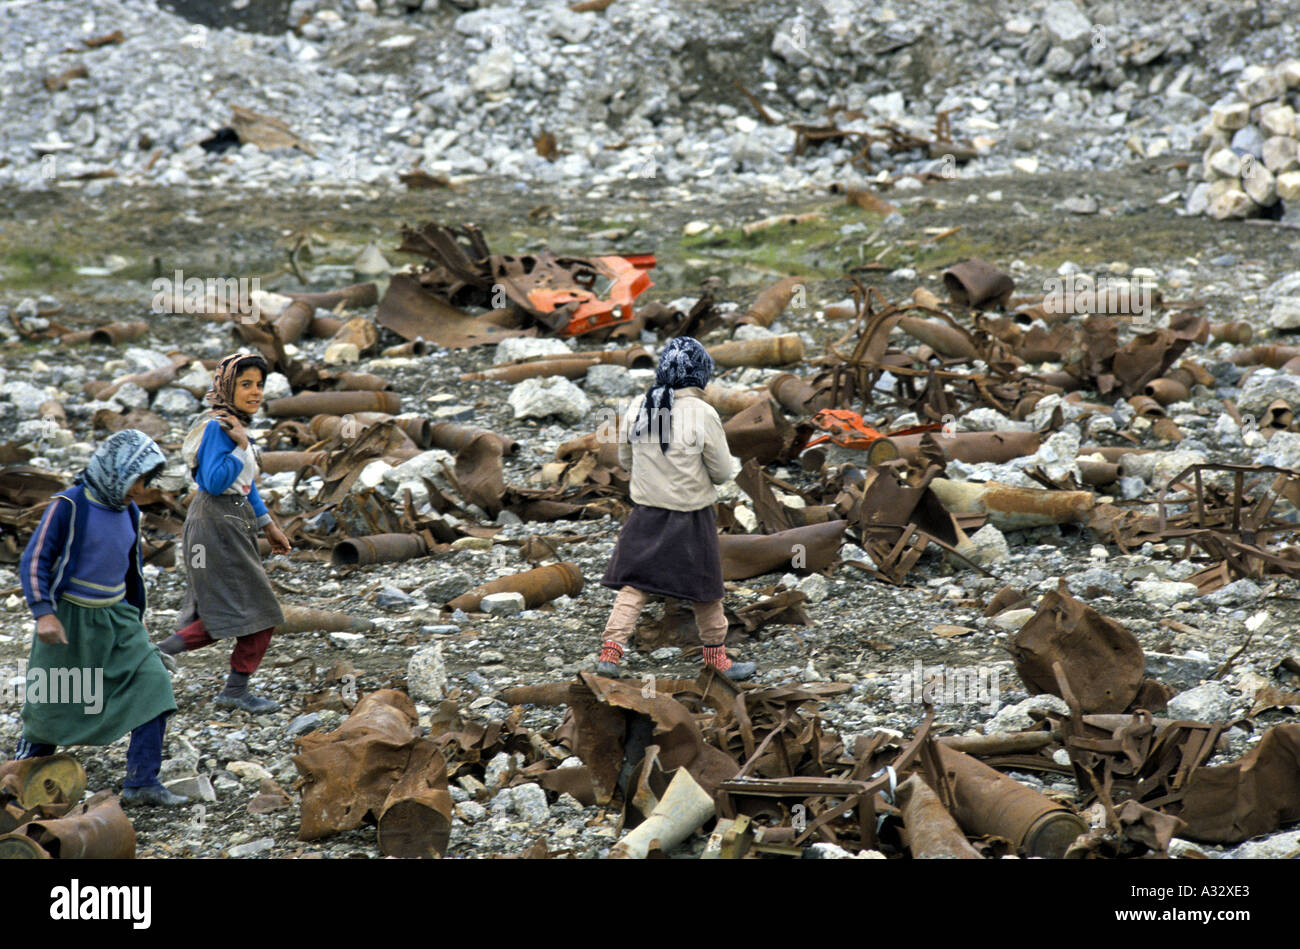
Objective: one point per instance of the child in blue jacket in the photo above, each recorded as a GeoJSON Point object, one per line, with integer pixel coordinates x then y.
{"type": "Point", "coordinates": [93, 675]}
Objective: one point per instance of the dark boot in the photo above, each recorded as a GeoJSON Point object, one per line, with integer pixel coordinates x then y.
{"type": "Point", "coordinates": [236, 695]}
{"type": "Point", "coordinates": [154, 794]}
{"type": "Point", "coordinates": [716, 657]}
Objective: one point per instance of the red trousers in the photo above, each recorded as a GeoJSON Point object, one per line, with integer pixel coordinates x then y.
{"type": "Point", "coordinates": [248, 651]}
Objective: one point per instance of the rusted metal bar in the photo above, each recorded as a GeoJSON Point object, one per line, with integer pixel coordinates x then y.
{"type": "Point", "coordinates": [1009, 743]}
{"type": "Point", "coordinates": [301, 619]}
{"type": "Point", "coordinates": [1013, 508]}
{"type": "Point", "coordinates": [931, 831]}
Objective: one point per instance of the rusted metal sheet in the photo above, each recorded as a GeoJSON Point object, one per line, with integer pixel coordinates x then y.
{"type": "Point", "coordinates": [976, 282]}
{"type": "Point", "coordinates": [416, 817]}
{"type": "Point", "coordinates": [1252, 796]}
{"type": "Point", "coordinates": [95, 830]}
{"type": "Point", "coordinates": [759, 432]}
{"type": "Point", "coordinates": [1103, 661]}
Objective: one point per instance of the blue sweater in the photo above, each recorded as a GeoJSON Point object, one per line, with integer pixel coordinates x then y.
{"type": "Point", "coordinates": [62, 558]}
{"type": "Point", "coordinates": [220, 464]}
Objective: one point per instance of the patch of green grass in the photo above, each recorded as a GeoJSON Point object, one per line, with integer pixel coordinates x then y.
{"type": "Point", "coordinates": [810, 247]}
{"type": "Point", "coordinates": [23, 267]}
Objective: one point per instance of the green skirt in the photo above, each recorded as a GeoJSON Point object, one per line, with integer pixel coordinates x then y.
{"type": "Point", "coordinates": [106, 681]}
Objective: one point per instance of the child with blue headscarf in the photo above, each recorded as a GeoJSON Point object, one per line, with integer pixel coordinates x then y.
{"type": "Point", "coordinates": [676, 453]}
{"type": "Point", "coordinates": [93, 675]}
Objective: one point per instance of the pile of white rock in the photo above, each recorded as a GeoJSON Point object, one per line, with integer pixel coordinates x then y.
{"type": "Point", "coordinates": [1252, 147]}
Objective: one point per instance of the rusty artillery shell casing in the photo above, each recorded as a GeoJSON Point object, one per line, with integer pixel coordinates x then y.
{"type": "Point", "coordinates": [539, 585]}
{"type": "Point", "coordinates": [334, 403]}
{"type": "Point", "coordinates": [844, 310]}
{"type": "Point", "coordinates": [931, 830]}
{"type": "Point", "coordinates": [416, 816]}
{"type": "Point", "coordinates": [1238, 332]}
{"type": "Point", "coordinates": [1167, 391]}
{"type": "Point", "coordinates": [970, 447]}
{"type": "Point", "coordinates": [797, 396]}
{"type": "Point", "coordinates": [1272, 355]}
{"type": "Point", "coordinates": [768, 351]}
{"type": "Point", "coordinates": [987, 802]}
{"type": "Point", "coordinates": [416, 347]}
{"type": "Point", "coordinates": [275, 462]}
{"type": "Point", "coordinates": [772, 302]}
{"type": "Point", "coordinates": [728, 401]}
{"type": "Point", "coordinates": [1292, 366]}
{"type": "Point", "coordinates": [1013, 508]}
{"type": "Point", "coordinates": [53, 779]}
{"type": "Point", "coordinates": [571, 367]}
{"type": "Point", "coordinates": [450, 436]}
{"type": "Point", "coordinates": [1147, 407]}
{"type": "Point", "coordinates": [605, 448]}
{"type": "Point", "coordinates": [294, 321]}
{"type": "Point", "coordinates": [353, 296]}
{"type": "Point", "coordinates": [940, 337]}
{"type": "Point", "coordinates": [379, 548]}
{"type": "Point", "coordinates": [1099, 473]}
{"type": "Point", "coordinates": [114, 333]}
{"type": "Point", "coordinates": [301, 619]}
{"type": "Point", "coordinates": [751, 555]}
{"type": "Point", "coordinates": [324, 327]}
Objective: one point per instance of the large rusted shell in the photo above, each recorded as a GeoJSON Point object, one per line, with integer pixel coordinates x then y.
{"type": "Point", "coordinates": [334, 403]}
{"type": "Point", "coordinates": [539, 585]}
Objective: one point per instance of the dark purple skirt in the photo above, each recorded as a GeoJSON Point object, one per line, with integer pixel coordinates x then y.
{"type": "Point", "coordinates": [669, 553]}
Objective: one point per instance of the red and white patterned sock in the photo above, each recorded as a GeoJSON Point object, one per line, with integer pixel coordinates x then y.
{"type": "Point", "coordinates": [716, 656]}
{"type": "Point", "coordinates": [611, 652]}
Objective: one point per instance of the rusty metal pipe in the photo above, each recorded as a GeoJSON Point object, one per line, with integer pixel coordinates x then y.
{"type": "Point", "coordinates": [1272, 355]}
{"type": "Point", "coordinates": [114, 333]}
{"type": "Point", "coordinates": [324, 327]}
{"type": "Point", "coordinates": [988, 803]}
{"type": "Point", "coordinates": [1002, 743]}
{"type": "Point", "coordinates": [334, 403]}
{"type": "Point", "coordinates": [1013, 508]}
{"type": "Point", "coordinates": [931, 831]}
{"type": "Point", "coordinates": [150, 381]}
{"type": "Point", "coordinates": [379, 548]}
{"type": "Point", "coordinates": [1147, 407]}
{"type": "Point", "coordinates": [797, 396]}
{"type": "Point", "coordinates": [539, 585]}
{"type": "Point", "coordinates": [768, 351]}
{"type": "Point", "coordinates": [606, 450]}
{"type": "Point", "coordinates": [571, 367]}
{"type": "Point", "coordinates": [360, 382]}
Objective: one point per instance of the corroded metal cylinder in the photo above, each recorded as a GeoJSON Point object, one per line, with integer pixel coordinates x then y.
{"type": "Point", "coordinates": [805, 549]}
{"type": "Point", "coordinates": [797, 396]}
{"type": "Point", "coordinates": [114, 333]}
{"type": "Point", "coordinates": [416, 347]}
{"type": "Point", "coordinates": [294, 321]}
{"type": "Point", "coordinates": [940, 337]}
{"type": "Point", "coordinates": [969, 447]}
{"type": "Point", "coordinates": [931, 831]}
{"type": "Point", "coordinates": [728, 401]}
{"type": "Point", "coordinates": [986, 802]}
{"type": "Point", "coordinates": [96, 830]}
{"type": "Point", "coordinates": [53, 779]}
{"type": "Point", "coordinates": [334, 403]}
{"type": "Point", "coordinates": [301, 619]}
{"type": "Point", "coordinates": [772, 302]}
{"type": "Point", "coordinates": [275, 462]}
{"type": "Point", "coordinates": [1013, 508]}
{"type": "Point", "coordinates": [452, 437]}
{"type": "Point", "coordinates": [768, 351]}
{"type": "Point", "coordinates": [379, 548]}
{"type": "Point", "coordinates": [539, 585]}
{"type": "Point", "coordinates": [1237, 331]}
{"type": "Point", "coordinates": [975, 282]}
{"type": "Point", "coordinates": [353, 296]}
{"type": "Point", "coordinates": [1167, 391]}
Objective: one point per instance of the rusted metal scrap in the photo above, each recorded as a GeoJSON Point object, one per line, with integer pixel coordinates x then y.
{"type": "Point", "coordinates": [1103, 660]}
{"type": "Point", "coordinates": [95, 830]}
{"type": "Point", "coordinates": [568, 296]}
{"type": "Point", "coordinates": [376, 765]}
{"type": "Point", "coordinates": [538, 586]}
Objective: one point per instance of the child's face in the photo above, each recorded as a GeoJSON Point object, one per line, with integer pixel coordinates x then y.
{"type": "Point", "coordinates": [138, 492]}
{"type": "Point", "coordinates": [248, 390]}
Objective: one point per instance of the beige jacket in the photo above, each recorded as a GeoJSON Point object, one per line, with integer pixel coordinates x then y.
{"type": "Point", "coordinates": [683, 478]}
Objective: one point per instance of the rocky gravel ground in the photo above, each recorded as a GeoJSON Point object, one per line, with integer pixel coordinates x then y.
{"type": "Point", "coordinates": [373, 88]}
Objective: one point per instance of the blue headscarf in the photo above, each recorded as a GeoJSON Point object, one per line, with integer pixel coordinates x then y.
{"type": "Point", "coordinates": [683, 362]}
{"type": "Point", "coordinates": [116, 465]}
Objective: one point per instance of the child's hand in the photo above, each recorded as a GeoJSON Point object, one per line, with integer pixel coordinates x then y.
{"type": "Point", "coordinates": [50, 630]}
{"type": "Point", "coordinates": [279, 543]}
{"type": "Point", "coordinates": [239, 435]}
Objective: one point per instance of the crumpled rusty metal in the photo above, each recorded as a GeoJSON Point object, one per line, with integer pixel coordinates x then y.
{"type": "Point", "coordinates": [416, 817]}
{"type": "Point", "coordinates": [976, 282]}
{"type": "Point", "coordinates": [413, 312]}
{"type": "Point", "coordinates": [1102, 660]}
{"type": "Point", "coordinates": [1251, 796]}
{"type": "Point", "coordinates": [760, 433]}
{"type": "Point", "coordinates": [347, 774]}
{"type": "Point", "coordinates": [95, 830]}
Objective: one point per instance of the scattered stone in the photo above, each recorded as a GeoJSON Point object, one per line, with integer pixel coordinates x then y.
{"type": "Point", "coordinates": [1164, 592]}
{"type": "Point", "coordinates": [196, 787]}
{"type": "Point", "coordinates": [303, 724]}
{"type": "Point", "coordinates": [1209, 702]}
{"type": "Point", "coordinates": [252, 848]}
{"type": "Point", "coordinates": [989, 546]}
{"type": "Point", "coordinates": [552, 395]}
{"type": "Point", "coordinates": [391, 598]}
{"type": "Point", "coordinates": [1015, 718]}
{"type": "Point", "coordinates": [448, 586]}
{"type": "Point", "coordinates": [529, 802]}
{"type": "Point", "coordinates": [814, 586]}
{"type": "Point", "coordinates": [525, 347]}
{"type": "Point", "coordinates": [609, 380]}
{"type": "Point", "coordinates": [426, 674]}
{"type": "Point", "coordinates": [250, 772]}
{"type": "Point", "coordinates": [503, 604]}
